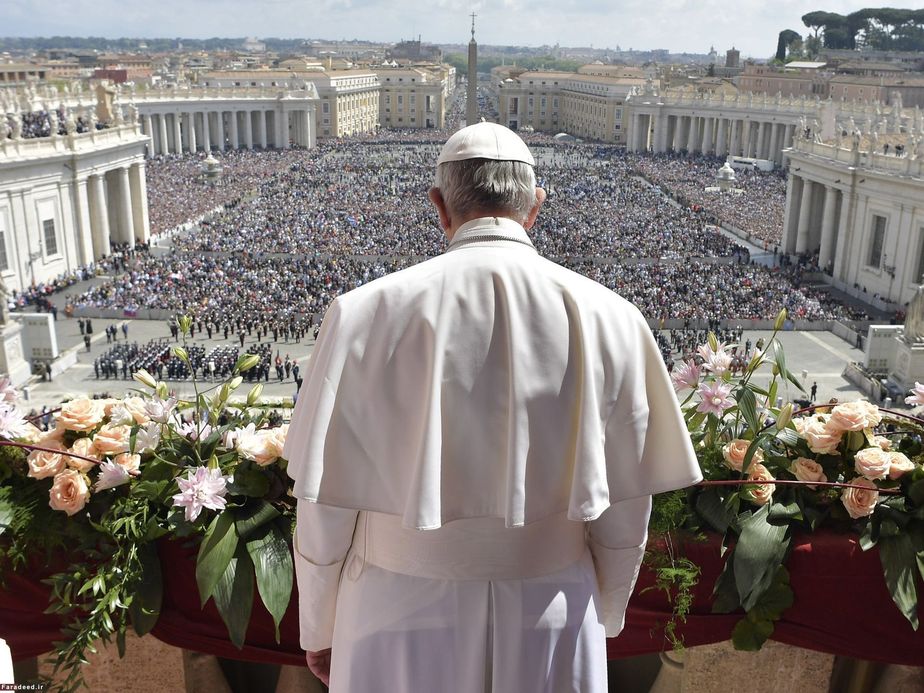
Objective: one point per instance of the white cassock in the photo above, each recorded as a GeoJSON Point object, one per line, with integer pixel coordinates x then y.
{"type": "Point", "coordinates": [519, 412]}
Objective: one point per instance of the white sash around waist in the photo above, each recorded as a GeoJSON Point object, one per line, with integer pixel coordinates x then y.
{"type": "Point", "coordinates": [471, 549]}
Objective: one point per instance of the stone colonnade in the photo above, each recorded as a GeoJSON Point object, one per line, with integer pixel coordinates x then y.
{"type": "Point", "coordinates": [176, 128]}
{"type": "Point", "coordinates": [816, 213]}
{"type": "Point", "coordinates": [721, 135]}
{"type": "Point", "coordinates": [112, 207]}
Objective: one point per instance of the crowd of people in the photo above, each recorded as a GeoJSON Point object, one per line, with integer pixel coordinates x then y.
{"type": "Point", "coordinates": [297, 228]}
{"type": "Point", "coordinates": [756, 210]}
{"type": "Point", "coordinates": [42, 123]}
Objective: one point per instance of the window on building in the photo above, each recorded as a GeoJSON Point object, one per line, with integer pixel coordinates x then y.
{"type": "Point", "coordinates": [400, 99]}
{"type": "Point", "coordinates": [325, 107]}
{"type": "Point", "coordinates": [915, 279]}
{"type": "Point", "coordinates": [4, 258]}
{"type": "Point", "coordinates": [877, 239]}
{"type": "Point", "coordinates": [51, 240]}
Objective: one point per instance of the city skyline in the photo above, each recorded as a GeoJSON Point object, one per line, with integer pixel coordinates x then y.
{"type": "Point", "coordinates": [677, 25]}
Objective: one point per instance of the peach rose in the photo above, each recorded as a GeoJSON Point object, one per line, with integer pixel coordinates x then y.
{"type": "Point", "coordinates": [52, 435]}
{"type": "Point", "coordinates": [805, 469]}
{"type": "Point", "coordinates": [108, 403]}
{"type": "Point", "coordinates": [129, 462]}
{"type": "Point", "coordinates": [69, 492]}
{"type": "Point", "coordinates": [44, 464]}
{"type": "Point", "coordinates": [82, 414]}
{"type": "Point", "coordinates": [882, 442]}
{"type": "Point", "coordinates": [854, 416]}
{"type": "Point", "coordinates": [82, 446]}
{"type": "Point", "coordinates": [257, 447]}
{"type": "Point", "coordinates": [821, 439]}
{"type": "Point", "coordinates": [900, 465]}
{"type": "Point", "coordinates": [860, 502]}
{"type": "Point", "coordinates": [32, 433]}
{"type": "Point", "coordinates": [759, 494]}
{"type": "Point", "coordinates": [735, 451]}
{"type": "Point", "coordinates": [277, 439]}
{"type": "Point", "coordinates": [873, 463]}
{"type": "Point", "coordinates": [112, 440]}
{"type": "Point", "coordinates": [136, 405]}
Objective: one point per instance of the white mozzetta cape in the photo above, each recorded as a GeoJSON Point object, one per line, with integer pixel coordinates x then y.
{"type": "Point", "coordinates": [487, 382]}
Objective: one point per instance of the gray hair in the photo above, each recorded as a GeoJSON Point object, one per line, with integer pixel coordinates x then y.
{"type": "Point", "coordinates": [485, 184]}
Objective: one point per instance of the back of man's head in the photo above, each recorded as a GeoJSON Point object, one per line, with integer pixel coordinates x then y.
{"type": "Point", "coordinates": [486, 168]}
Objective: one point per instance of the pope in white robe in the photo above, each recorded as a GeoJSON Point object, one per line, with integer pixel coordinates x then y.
{"type": "Point", "coordinates": [474, 450]}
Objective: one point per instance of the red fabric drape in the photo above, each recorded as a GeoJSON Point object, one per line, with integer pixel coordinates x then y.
{"type": "Point", "coordinates": [842, 606]}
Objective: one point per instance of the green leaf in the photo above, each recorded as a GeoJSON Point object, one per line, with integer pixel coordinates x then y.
{"type": "Point", "coordinates": [778, 597]}
{"type": "Point", "coordinates": [6, 514]}
{"type": "Point", "coordinates": [750, 635]}
{"type": "Point", "coordinates": [696, 421]}
{"type": "Point", "coordinates": [788, 437]}
{"type": "Point", "coordinates": [759, 553]}
{"type": "Point", "coordinates": [253, 516]}
{"type": "Point", "coordinates": [710, 506]}
{"type": "Point", "coordinates": [899, 562]}
{"type": "Point", "coordinates": [215, 553]}
{"type": "Point", "coordinates": [248, 481]}
{"type": "Point", "coordinates": [272, 565]}
{"type": "Point", "coordinates": [145, 606]}
{"type": "Point", "coordinates": [867, 539]}
{"type": "Point", "coordinates": [234, 595]}
{"type": "Point", "coordinates": [747, 403]}
{"type": "Point", "coordinates": [724, 594]}
{"type": "Point", "coordinates": [915, 493]}
{"type": "Point", "coordinates": [152, 490]}
{"type": "Point", "coordinates": [771, 394]}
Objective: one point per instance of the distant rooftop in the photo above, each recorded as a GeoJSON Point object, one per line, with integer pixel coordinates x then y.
{"type": "Point", "coordinates": [805, 65]}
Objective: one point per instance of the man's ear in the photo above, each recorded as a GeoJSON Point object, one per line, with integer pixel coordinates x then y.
{"type": "Point", "coordinates": [534, 212]}
{"type": "Point", "coordinates": [436, 197]}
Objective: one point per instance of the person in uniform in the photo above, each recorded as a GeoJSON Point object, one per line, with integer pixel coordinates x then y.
{"type": "Point", "coordinates": [474, 450]}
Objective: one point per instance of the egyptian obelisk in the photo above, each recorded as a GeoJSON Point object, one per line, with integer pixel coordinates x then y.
{"type": "Point", "coordinates": [471, 102]}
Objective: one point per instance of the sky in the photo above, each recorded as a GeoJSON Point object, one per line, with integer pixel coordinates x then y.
{"type": "Point", "coordinates": [692, 26]}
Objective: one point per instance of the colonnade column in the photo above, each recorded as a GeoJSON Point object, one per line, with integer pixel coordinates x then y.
{"type": "Point", "coordinates": [733, 149]}
{"type": "Point", "coordinates": [774, 142]}
{"type": "Point", "coordinates": [220, 129]}
{"type": "Point", "coordinates": [693, 139]}
{"type": "Point", "coordinates": [826, 252]}
{"type": "Point", "coordinates": [149, 131]}
{"type": "Point", "coordinates": [99, 215]}
{"type": "Point", "coordinates": [248, 129]}
{"type": "Point", "coordinates": [164, 147]}
{"type": "Point", "coordinates": [235, 141]}
{"type": "Point", "coordinates": [191, 120]}
{"type": "Point", "coordinates": [721, 146]}
{"type": "Point", "coordinates": [282, 115]}
{"type": "Point", "coordinates": [790, 222]}
{"type": "Point", "coordinates": [761, 132]}
{"type": "Point", "coordinates": [126, 217]}
{"type": "Point", "coordinates": [206, 132]}
{"type": "Point", "coordinates": [84, 225]}
{"type": "Point", "coordinates": [787, 137]}
{"type": "Point", "coordinates": [177, 134]}
{"type": "Point", "coordinates": [308, 128]}
{"type": "Point", "coordinates": [708, 136]}
{"type": "Point", "coordinates": [805, 209]}
{"type": "Point", "coordinates": [141, 224]}
{"type": "Point", "coordinates": [263, 142]}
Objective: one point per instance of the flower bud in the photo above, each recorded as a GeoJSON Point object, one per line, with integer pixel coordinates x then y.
{"type": "Point", "coordinates": [162, 390]}
{"type": "Point", "coordinates": [713, 341]}
{"type": "Point", "coordinates": [246, 362]}
{"type": "Point", "coordinates": [785, 416]}
{"type": "Point", "coordinates": [254, 394]}
{"type": "Point", "coordinates": [235, 382]}
{"type": "Point", "coordinates": [181, 354]}
{"type": "Point", "coordinates": [780, 320]}
{"type": "Point", "coordinates": [145, 378]}
{"type": "Point", "coordinates": [185, 323]}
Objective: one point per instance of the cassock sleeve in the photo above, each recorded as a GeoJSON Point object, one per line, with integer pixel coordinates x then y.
{"type": "Point", "coordinates": [617, 542]}
{"type": "Point", "coordinates": [323, 536]}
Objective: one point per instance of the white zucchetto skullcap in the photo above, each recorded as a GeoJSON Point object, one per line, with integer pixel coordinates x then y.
{"type": "Point", "coordinates": [485, 141]}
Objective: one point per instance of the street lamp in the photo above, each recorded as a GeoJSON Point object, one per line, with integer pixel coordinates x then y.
{"type": "Point", "coordinates": [33, 256]}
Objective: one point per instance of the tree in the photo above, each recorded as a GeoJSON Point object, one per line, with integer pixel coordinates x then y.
{"type": "Point", "coordinates": [786, 39]}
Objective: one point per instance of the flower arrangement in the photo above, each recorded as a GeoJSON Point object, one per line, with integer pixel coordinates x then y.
{"type": "Point", "coordinates": [771, 470]}
{"type": "Point", "coordinates": [114, 476]}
